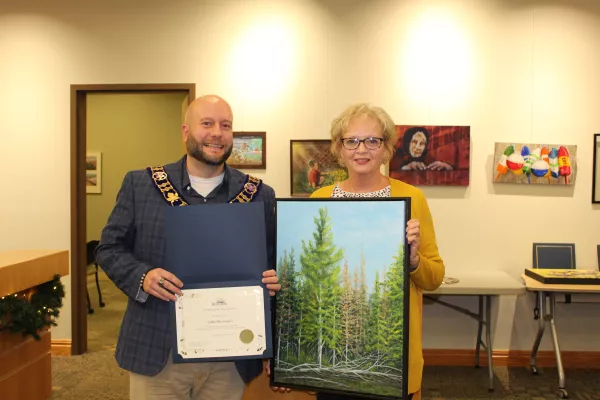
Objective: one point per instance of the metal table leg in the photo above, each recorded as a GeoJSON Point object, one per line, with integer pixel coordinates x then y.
{"type": "Point", "coordinates": [538, 338]}
{"type": "Point", "coordinates": [484, 318]}
{"type": "Point", "coordinates": [479, 331]}
{"type": "Point", "coordinates": [562, 391]}
{"type": "Point", "coordinates": [546, 316]}
{"type": "Point", "coordinates": [488, 339]}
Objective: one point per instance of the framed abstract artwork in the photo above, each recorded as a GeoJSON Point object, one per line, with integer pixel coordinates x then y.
{"type": "Point", "coordinates": [432, 155]}
{"type": "Point", "coordinates": [249, 150]}
{"type": "Point", "coordinates": [93, 172]}
{"type": "Point", "coordinates": [312, 166]}
{"type": "Point", "coordinates": [596, 171]}
{"type": "Point", "coordinates": [341, 318]}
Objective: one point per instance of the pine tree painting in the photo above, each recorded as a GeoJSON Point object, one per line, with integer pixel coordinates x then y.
{"type": "Point", "coordinates": [340, 316]}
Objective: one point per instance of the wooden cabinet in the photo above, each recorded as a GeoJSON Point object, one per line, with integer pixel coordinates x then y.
{"type": "Point", "coordinates": [25, 363]}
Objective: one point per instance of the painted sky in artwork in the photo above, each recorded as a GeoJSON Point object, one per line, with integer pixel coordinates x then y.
{"type": "Point", "coordinates": [376, 227]}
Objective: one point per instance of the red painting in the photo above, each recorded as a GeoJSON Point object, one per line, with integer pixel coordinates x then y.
{"type": "Point", "coordinates": [432, 155]}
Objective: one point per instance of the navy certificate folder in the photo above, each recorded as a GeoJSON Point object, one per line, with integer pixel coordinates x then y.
{"type": "Point", "coordinates": [215, 246]}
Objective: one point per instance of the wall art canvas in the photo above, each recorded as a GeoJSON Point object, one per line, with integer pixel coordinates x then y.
{"type": "Point", "coordinates": [249, 150]}
{"type": "Point", "coordinates": [341, 318]}
{"type": "Point", "coordinates": [312, 166]}
{"type": "Point", "coordinates": [596, 174]}
{"type": "Point", "coordinates": [432, 155]}
{"type": "Point", "coordinates": [535, 163]}
{"type": "Point", "coordinates": [93, 172]}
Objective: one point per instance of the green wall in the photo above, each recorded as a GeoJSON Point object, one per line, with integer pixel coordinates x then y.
{"type": "Point", "coordinates": [132, 131]}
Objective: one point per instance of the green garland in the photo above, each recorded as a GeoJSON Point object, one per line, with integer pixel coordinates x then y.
{"type": "Point", "coordinates": [30, 316]}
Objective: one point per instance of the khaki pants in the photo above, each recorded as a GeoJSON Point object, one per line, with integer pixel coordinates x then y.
{"type": "Point", "coordinates": [189, 381]}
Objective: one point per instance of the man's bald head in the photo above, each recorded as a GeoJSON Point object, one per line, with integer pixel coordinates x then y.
{"type": "Point", "coordinates": [195, 109]}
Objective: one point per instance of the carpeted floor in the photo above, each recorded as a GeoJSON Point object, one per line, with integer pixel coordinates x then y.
{"type": "Point", "coordinates": [95, 375]}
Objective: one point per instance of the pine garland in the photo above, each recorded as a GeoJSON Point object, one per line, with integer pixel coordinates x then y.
{"type": "Point", "coordinates": [30, 313]}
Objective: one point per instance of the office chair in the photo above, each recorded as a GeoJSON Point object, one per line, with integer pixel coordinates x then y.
{"type": "Point", "coordinates": [90, 249]}
{"type": "Point", "coordinates": [553, 256]}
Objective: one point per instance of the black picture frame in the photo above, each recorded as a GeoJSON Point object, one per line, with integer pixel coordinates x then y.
{"type": "Point", "coordinates": [333, 318]}
{"type": "Point", "coordinates": [554, 256]}
{"type": "Point", "coordinates": [595, 170]}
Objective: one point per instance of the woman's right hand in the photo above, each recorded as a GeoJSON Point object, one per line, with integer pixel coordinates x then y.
{"type": "Point", "coordinates": [274, 388]}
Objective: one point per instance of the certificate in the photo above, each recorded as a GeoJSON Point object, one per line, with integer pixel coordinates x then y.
{"type": "Point", "coordinates": [221, 322]}
{"type": "Point", "coordinates": [219, 251]}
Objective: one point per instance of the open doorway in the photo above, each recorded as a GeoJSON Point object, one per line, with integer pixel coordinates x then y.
{"type": "Point", "coordinates": [97, 141]}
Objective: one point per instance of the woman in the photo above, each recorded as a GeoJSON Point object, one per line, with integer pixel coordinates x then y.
{"type": "Point", "coordinates": [414, 152]}
{"type": "Point", "coordinates": [362, 139]}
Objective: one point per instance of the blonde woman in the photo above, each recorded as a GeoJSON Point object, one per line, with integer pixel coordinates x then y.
{"type": "Point", "coordinates": [363, 139]}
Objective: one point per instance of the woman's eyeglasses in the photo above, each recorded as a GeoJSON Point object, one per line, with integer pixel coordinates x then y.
{"type": "Point", "coordinates": [371, 143]}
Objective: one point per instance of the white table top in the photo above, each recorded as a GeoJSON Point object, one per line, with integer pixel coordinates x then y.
{"type": "Point", "coordinates": [536, 286]}
{"type": "Point", "coordinates": [481, 282]}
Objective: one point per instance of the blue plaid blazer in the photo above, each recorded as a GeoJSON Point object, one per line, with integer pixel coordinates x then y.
{"type": "Point", "coordinates": [133, 243]}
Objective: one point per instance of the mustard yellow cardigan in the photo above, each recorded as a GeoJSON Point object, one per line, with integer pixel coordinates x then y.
{"type": "Point", "coordinates": [428, 275]}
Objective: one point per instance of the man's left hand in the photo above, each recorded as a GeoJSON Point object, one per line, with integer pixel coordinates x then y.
{"type": "Point", "coordinates": [271, 279]}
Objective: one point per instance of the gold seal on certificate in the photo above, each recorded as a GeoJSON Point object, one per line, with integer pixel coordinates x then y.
{"type": "Point", "coordinates": [221, 322]}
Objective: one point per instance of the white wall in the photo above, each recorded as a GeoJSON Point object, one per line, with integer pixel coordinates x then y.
{"type": "Point", "coordinates": [515, 71]}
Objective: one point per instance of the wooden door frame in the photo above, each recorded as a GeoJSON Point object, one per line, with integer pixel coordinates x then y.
{"type": "Point", "coordinates": [78, 193]}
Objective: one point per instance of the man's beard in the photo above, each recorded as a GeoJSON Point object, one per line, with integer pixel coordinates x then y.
{"type": "Point", "coordinates": [196, 150]}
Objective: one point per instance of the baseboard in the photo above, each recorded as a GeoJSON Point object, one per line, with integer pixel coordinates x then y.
{"type": "Point", "coordinates": [510, 358]}
{"type": "Point", "coordinates": [60, 347]}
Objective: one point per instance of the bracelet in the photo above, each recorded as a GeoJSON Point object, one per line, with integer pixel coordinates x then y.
{"type": "Point", "coordinates": [142, 280]}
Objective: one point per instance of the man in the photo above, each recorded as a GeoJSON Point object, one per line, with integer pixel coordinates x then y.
{"type": "Point", "coordinates": [132, 253]}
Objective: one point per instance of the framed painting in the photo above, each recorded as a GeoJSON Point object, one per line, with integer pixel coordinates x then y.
{"type": "Point", "coordinates": [341, 317]}
{"type": "Point", "coordinates": [312, 166]}
{"type": "Point", "coordinates": [249, 150]}
{"type": "Point", "coordinates": [596, 171]}
{"type": "Point", "coordinates": [535, 163]}
{"type": "Point", "coordinates": [432, 155]}
{"type": "Point", "coordinates": [93, 172]}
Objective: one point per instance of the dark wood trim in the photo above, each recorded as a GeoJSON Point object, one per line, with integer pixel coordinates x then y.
{"type": "Point", "coordinates": [78, 145]}
{"type": "Point", "coordinates": [510, 358]}
{"type": "Point", "coordinates": [78, 193]}
{"type": "Point", "coordinates": [139, 88]}
{"type": "Point", "coordinates": [594, 162]}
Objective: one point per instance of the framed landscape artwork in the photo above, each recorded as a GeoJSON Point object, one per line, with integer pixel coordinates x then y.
{"type": "Point", "coordinates": [312, 166]}
{"type": "Point", "coordinates": [249, 150]}
{"type": "Point", "coordinates": [341, 317]}
{"type": "Point", "coordinates": [93, 172]}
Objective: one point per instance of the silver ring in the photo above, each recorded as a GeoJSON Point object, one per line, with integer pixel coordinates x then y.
{"type": "Point", "coordinates": [161, 282]}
